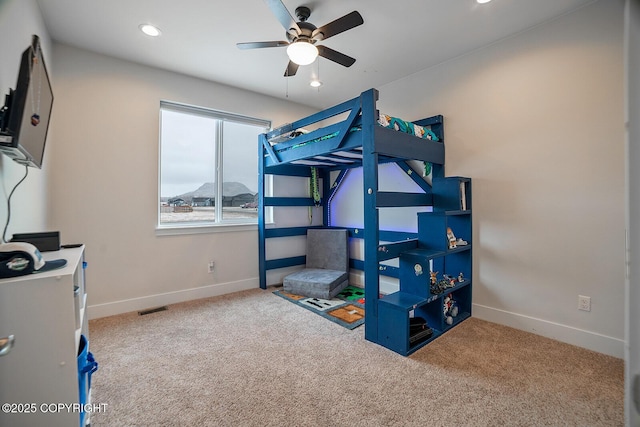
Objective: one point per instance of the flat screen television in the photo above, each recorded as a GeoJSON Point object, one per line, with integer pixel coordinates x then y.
{"type": "Point", "coordinates": [24, 119]}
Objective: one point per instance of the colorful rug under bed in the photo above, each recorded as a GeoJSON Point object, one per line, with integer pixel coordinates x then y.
{"type": "Point", "coordinates": [347, 309]}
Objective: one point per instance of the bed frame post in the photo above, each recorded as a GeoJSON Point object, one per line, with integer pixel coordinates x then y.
{"type": "Point", "coordinates": [371, 217]}
{"type": "Point", "coordinates": [262, 272]}
{"type": "Point", "coordinates": [325, 174]}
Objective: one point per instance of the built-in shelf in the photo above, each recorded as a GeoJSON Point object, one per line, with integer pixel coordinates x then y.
{"type": "Point", "coordinates": [417, 298]}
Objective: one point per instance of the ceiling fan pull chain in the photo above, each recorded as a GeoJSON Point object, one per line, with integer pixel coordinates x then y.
{"type": "Point", "coordinates": [286, 92]}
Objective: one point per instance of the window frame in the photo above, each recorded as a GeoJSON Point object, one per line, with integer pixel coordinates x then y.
{"type": "Point", "coordinates": [219, 224]}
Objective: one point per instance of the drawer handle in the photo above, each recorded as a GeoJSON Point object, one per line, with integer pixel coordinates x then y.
{"type": "Point", "coordinates": [6, 344]}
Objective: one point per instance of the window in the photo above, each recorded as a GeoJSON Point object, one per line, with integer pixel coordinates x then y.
{"type": "Point", "coordinates": [208, 167]}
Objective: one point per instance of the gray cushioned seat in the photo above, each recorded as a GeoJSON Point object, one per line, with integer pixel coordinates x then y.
{"type": "Point", "coordinates": [327, 268]}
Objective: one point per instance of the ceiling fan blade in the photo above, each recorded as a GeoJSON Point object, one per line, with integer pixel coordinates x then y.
{"type": "Point", "coordinates": [338, 26]}
{"type": "Point", "coordinates": [292, 69]}
{"type": "Point", "coordinates": [258, 45]}
{"type": "Point", "coordinates": [335, 56]}
{"type": "Point", "coordinates": [282, 14]}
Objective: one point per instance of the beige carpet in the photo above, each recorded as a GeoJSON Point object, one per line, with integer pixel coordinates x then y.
{"type": "Point", "coordinates": [254, 359]}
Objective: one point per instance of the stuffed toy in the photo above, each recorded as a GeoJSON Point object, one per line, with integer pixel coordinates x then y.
{"type": "Point", "coordinates": [450, 309]}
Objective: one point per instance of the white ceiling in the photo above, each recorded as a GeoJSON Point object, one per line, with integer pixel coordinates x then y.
{"type": "Point", "coordinates": [199, 38]}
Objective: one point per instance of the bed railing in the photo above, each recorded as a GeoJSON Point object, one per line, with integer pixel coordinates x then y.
{"type": "Point", "coordinates": [348, 135]}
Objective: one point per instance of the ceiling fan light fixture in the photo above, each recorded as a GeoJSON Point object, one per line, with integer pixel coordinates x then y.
{"type": "Point", "coordinates": [302, 52]}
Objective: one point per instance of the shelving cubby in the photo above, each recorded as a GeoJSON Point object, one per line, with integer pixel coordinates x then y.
{"type": "Point", "coordinates": [451, 210]}
{"type": "Point", "coordinates": [47, 314]}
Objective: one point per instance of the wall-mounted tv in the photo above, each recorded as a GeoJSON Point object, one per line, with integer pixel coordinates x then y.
{"type": "Point", "coordinates": [24, 119]}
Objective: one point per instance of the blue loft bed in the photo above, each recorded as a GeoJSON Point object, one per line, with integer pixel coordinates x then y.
{"type": "Point", "coordinates": [365, 138]}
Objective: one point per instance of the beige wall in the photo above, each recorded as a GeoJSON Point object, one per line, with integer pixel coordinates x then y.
{"type": "Point", "coordinates": [19, 20]}
{"type": "Point", "coordinates": [537, 121]}
{"type": "Point", "coordinates": [105, 183]}
{"type": "Point", "coordinates": [632, 297]}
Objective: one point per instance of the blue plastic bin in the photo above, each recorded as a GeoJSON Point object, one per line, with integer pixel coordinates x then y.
{"type": "Point", "coordinates": [86, 367]}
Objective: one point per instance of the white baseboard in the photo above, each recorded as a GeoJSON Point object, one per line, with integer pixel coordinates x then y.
{"type": "Point", "coordinates": [579, 337]}
{"type": "Point", "coordinates": [567, 334]}
{"type": "Point", "coordinates": [388, 285]}
{"type": "Point", "coordinates": [586, 339]}
{"type": "Point", "coordinates": [151, 301]}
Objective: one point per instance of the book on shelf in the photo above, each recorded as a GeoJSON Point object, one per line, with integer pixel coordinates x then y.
{"type": "Point", "coordinates": [419, 330]}
{"type": "Point", "coordinates": [463, 196]}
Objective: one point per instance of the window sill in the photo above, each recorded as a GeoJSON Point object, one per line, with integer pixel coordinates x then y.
{"type": "Point", "coordinates": [183, 229]}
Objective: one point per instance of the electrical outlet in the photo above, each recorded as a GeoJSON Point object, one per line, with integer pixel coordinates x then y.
{"type": "Point", "coordinates": [211, 266]}
{"type": "Point", "coordinates": [584, 303]}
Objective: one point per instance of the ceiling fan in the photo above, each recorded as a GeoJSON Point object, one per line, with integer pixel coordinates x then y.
{"type": "Point", "coordinates": [302, 37]}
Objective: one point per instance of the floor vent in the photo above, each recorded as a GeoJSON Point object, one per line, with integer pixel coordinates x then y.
{"type": "Point", "coordinates": [152, 310]}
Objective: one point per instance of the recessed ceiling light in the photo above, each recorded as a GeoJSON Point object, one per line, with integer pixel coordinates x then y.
{"type": "Point", "coordinates": [315, 83]}
{"type": "Point", "coordinates": [150, 30]}
{"type": "Point", "coordinates": [483, 1]}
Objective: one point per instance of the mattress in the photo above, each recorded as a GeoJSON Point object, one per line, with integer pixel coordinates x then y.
{"type": "Point", "coordinates": [384, 120]}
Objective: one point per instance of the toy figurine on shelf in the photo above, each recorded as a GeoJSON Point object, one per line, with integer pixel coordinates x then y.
{"type": "Point", "coordinates": [451, 238]}
{"type": "Point", "coordinates": [461, 277]}
{"type": "Point", "coordinates": [451, 282]}
{"type": "Point", "coordinates": [437, 286]}
{"type": "Point", "coordinates": [450, 309]}
{"type": "Point", "coordinates": [443, 284]}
